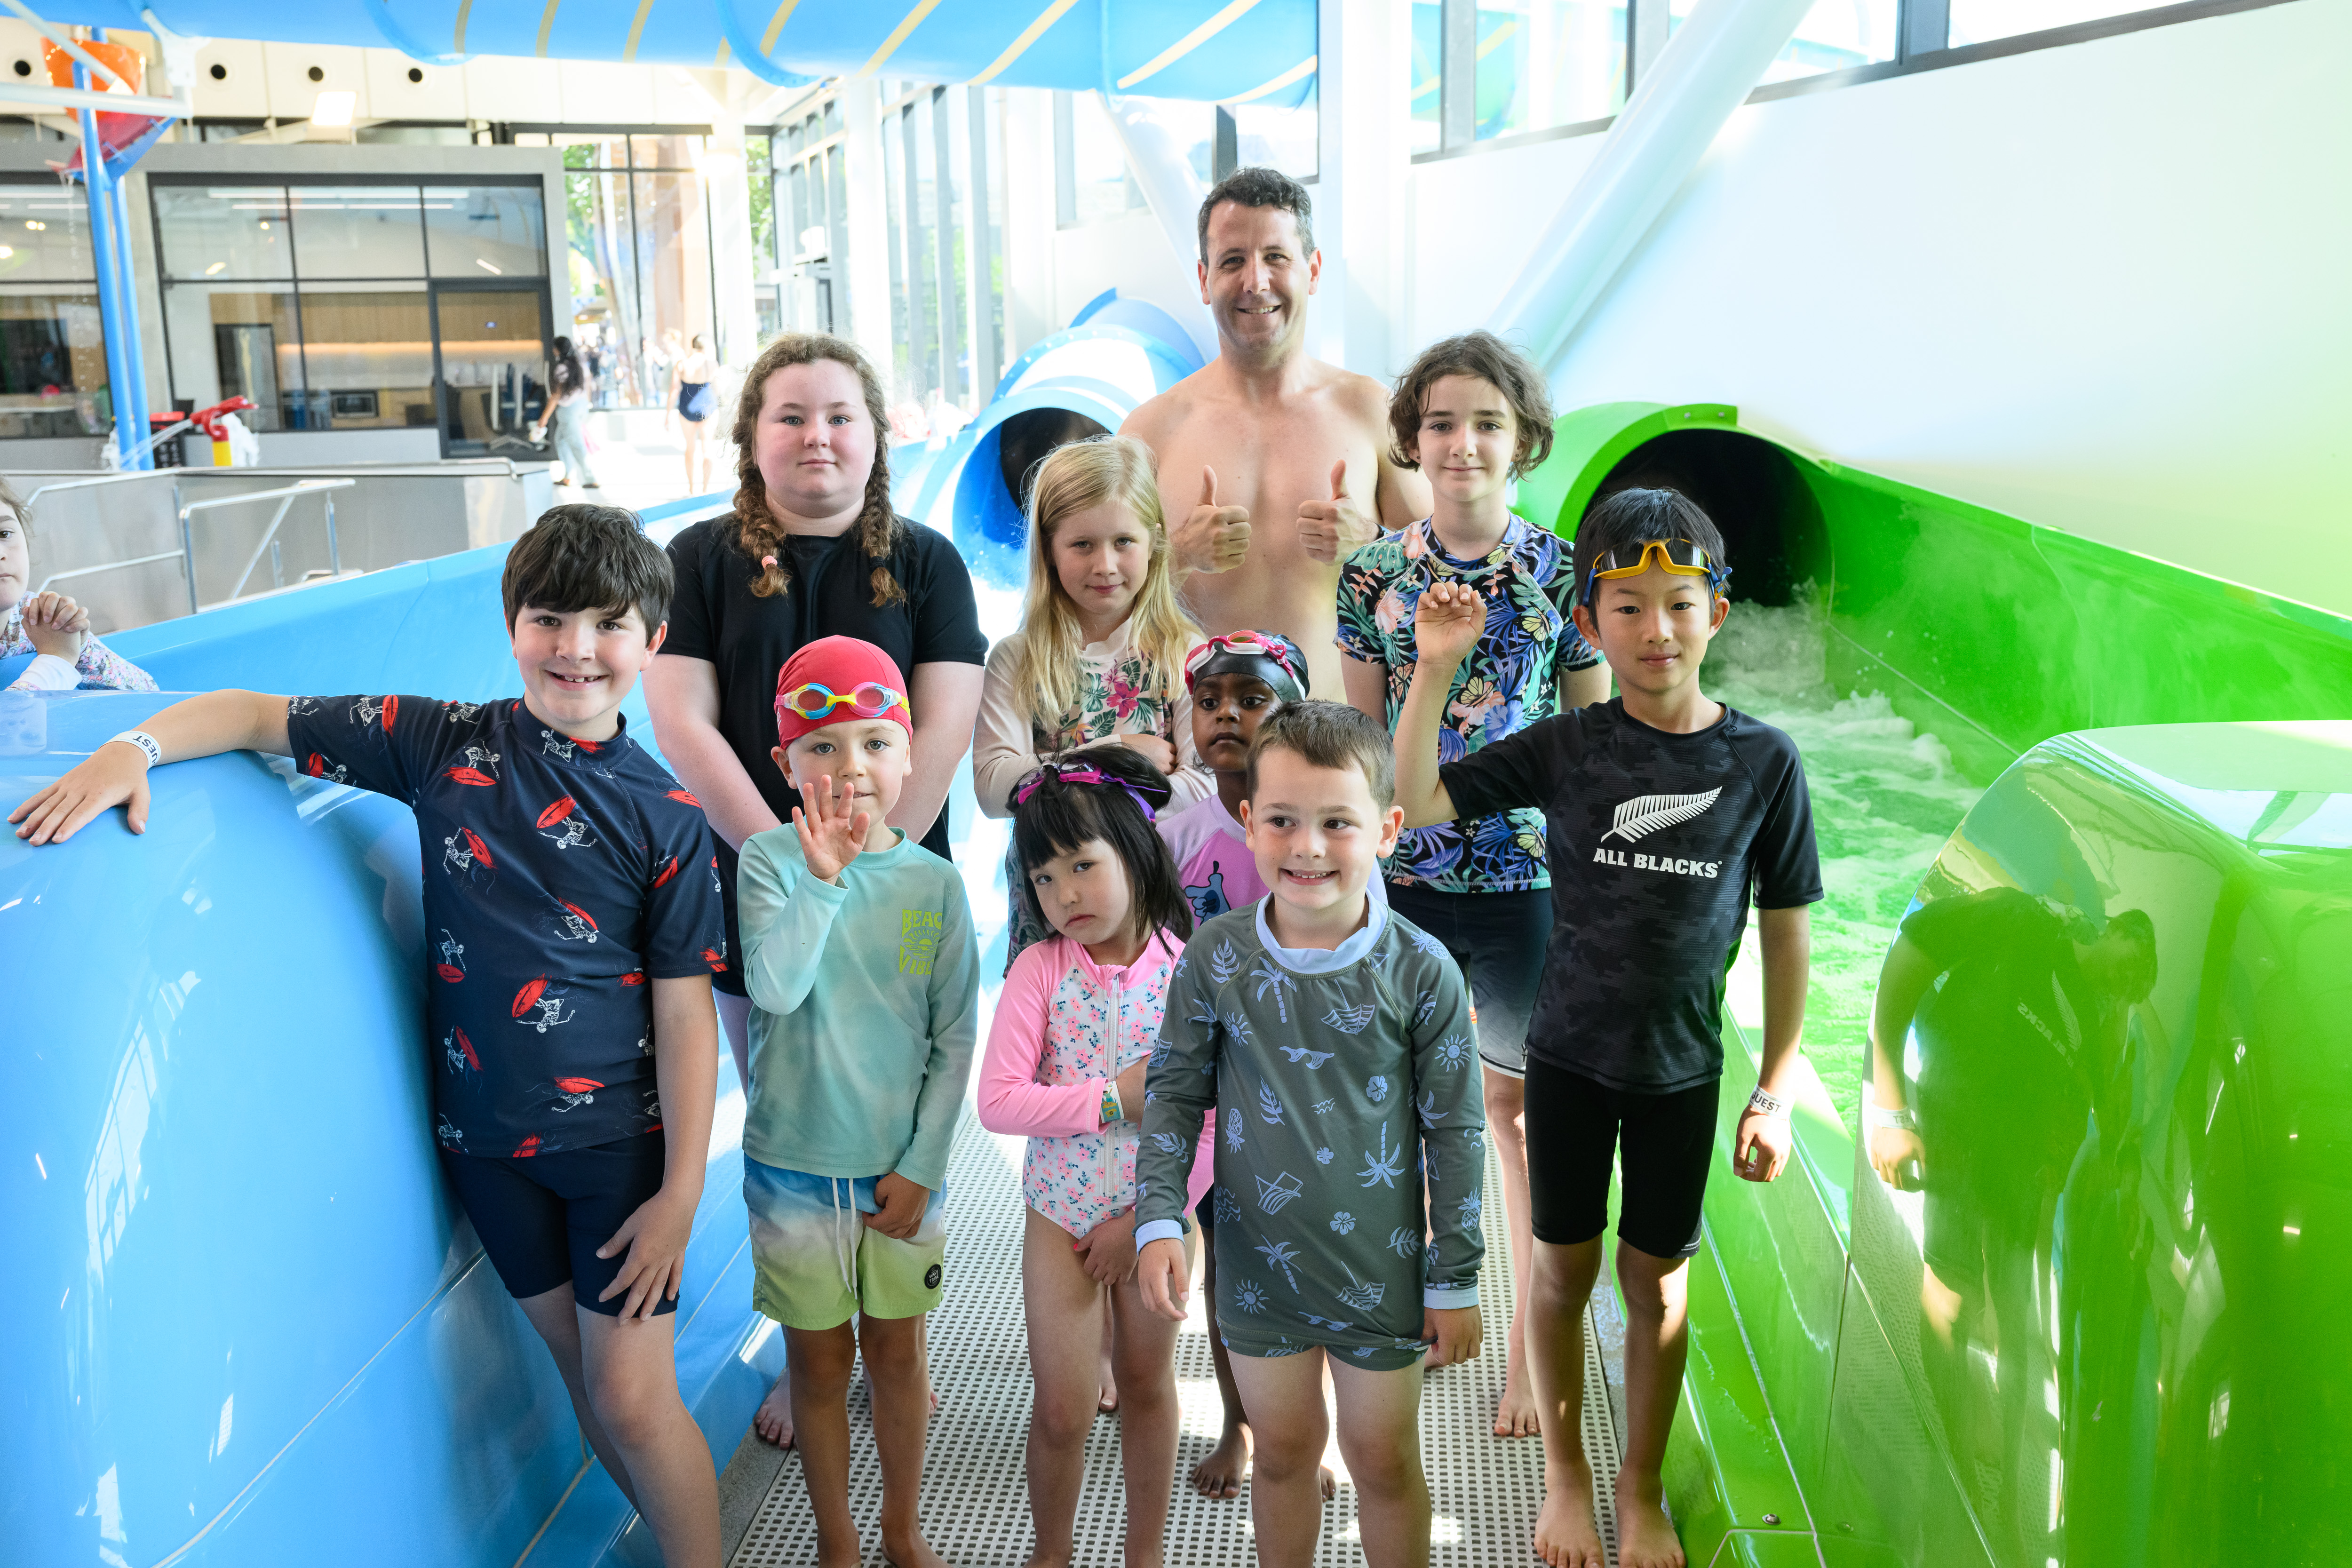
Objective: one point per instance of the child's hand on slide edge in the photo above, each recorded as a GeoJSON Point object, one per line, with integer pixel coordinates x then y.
{"type": "Point", "coordinates": [1166, 1279]}
{"type": "Point", "coordinates": [901, 1202]}
{"type": "Point", "coordinates": [1447, 622]}
{"type": "Point", "coordinates": [655, 1239]}
{"type": "Point", "coordinates": [1107, 1252]}
{"type": "Point", "coordinates": [112, 776]}
{"type": "Point", "coordinates": [832, 834]}
{"type": "Point", "coordinates": [1452, 1335]}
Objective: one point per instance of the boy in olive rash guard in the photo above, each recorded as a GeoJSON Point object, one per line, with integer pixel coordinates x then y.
{"type": "Point", "coordinates": [1336, 1035]}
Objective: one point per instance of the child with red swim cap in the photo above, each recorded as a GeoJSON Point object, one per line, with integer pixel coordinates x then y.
{"type": "Point", "coordinates": [864, 974]}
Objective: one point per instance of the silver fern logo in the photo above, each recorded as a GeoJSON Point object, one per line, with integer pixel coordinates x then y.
{"type": "Point", "coordinates": [1645, 814]}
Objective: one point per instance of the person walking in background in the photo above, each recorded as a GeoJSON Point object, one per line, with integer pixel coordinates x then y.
{"type": "Point", "coordinates": [695, 400]}
{"type": "Point", "coordinates": [567, 416]}
{"type": "Point", "coordinates": [812, 549]}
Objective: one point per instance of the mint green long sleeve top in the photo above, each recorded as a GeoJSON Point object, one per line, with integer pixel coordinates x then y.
{"type": "Point", "coordinates": [866, 1009]}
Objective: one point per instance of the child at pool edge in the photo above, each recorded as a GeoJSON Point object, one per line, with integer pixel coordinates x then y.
{"type": "Point", "coordinates": [550, 1137]}
{"type": "Point", "coordinates": [1377, 1060]}
{"type": "Point", "coordinates": [1232, 682]}
{"type": "Point", "coordinates": [1101, 642]}
{"type": "Point", "coordinates": [50, 625]}
{"type": "Point", "coordinates": [864, 975]}
{"type": "Point", "coordinates": [1473, 415]}
{"type": "Point", "coordinates": [1625, 1046]}
{"type": "Point", "coordinates": [1065, 1065]}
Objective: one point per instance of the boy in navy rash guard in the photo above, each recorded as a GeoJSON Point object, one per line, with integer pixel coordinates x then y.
{"type": "Point", "coordinates": [571, 927]}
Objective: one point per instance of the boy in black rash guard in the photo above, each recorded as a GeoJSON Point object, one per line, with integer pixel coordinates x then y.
{"type": "Point", "coordinates": [1662, 809]}
{"type": "Point", "coordinates": [572, 928]}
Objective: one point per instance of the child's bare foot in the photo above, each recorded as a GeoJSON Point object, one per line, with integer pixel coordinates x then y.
{"type": "Point", "coordinates": [1220, 1474]}
{"type": "Point", "coordinates": [1515, 1415]}
{"type": "Point", "coordinates": [847, 1553]}
{"type": "Point", "coordinates": [1040, 1558]}
{"type": "Point", "coordinates": [774, 1421]}
{"type": "Point", "coordinates": [1566, 1536]}
{"type": "Point", "coordinates": [911, 1553]}
{"type": "Point", "coordinates": [1106, 1399]}
{"type": "Point", "coordinates": [1327, 1481]}
{"type": "Point", "coordinates": [1645, 1536]}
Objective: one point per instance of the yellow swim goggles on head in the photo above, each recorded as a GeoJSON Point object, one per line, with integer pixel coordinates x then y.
{"type": "Point", "coordinates": [1683, 557]}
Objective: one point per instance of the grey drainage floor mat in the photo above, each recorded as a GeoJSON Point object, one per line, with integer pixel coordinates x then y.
{"type": "Point", "coordinates": [975, 1506]}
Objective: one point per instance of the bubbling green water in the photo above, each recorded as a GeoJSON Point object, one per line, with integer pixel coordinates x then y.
{"type": "Point", "coordinates": [1885, 797]}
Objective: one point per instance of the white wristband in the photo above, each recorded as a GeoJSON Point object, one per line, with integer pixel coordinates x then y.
{"type": "Point", "coordinates": [1766, 1103]}
{"type": "Point", "coordinates": [1902, 1118]}
{"type": "Point", "coordinates": [144, 741]}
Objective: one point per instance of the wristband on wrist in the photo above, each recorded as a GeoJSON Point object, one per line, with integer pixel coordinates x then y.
{"type": "Point", "coordinates": [1901, 1118]}
{"type": "Point", "coordinates": [144, 741]}
{"type": "Point", "coordinates": [1766, 1103]}
{"type": "Point", "coordinates": [1112, 1109]}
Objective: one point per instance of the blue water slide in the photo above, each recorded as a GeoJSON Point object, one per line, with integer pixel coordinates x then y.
{"type": "Point", "coordinates": [246, 1324]}
{"type": "Point", "coordinates": [1115, 353]}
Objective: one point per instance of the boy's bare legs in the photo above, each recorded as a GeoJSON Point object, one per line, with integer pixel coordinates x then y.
{"type": "Point", "coordinates": [1657, 1341]}
{"type": "Point", "coordinates": [897, 1362]}
{"type": "Point", "coordinates": [1287, 1428]}
{"type": "Point", "coordinates": [1063, 1306]}
{"type": "Point", "coordinates": [1559, 1283]}
{"type": "Point", "coordinates": [819, 1362]}
{"type": "Point", "coordinates": [557, 1318]}
{"type": "Point", "coordinates": [1380, 1437]}
{"type": "Point", "coordinates": [633, 1387]}
{"type": "Point", "coordinates": [1507, 1103]}
{"type": "Point", "coordinates": [1144, 1349]}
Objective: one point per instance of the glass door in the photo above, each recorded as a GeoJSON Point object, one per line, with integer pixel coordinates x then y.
{"type": "Point", "coordinates": [490, 367]}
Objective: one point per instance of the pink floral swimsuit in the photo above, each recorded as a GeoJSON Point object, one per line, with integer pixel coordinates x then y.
{"type": "Point", "coordinates": [1064, 1028]}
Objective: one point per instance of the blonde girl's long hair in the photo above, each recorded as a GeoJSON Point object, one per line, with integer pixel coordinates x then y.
{"type": "Point", "coordinates": [758, 531]}
{"type": "Point", "coordinates": [1073, 478]}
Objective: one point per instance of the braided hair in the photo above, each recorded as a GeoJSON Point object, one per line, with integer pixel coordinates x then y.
{"type": "Point", "coordinates": [758, 533]}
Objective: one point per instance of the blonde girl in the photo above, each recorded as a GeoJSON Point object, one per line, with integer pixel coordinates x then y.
{"type": "Point", "coordinates": [1099, 658]}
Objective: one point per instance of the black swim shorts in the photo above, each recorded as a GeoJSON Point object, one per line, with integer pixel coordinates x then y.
{"type": "Point", "coordinates": [1575, 1127]}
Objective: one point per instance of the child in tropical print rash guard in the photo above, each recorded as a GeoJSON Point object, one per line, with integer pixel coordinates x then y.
{"type": "Point", "coordinates": [1337, 1038]}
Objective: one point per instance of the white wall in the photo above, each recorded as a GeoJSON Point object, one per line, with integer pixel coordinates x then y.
{"type": "Point", "coordinates": [1130, 252]}
{"type": "Point", "coordinates": [2101, 287]}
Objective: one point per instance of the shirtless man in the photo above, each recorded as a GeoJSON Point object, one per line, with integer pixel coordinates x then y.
{"type": "Point", "coordinates": [1277, 464]}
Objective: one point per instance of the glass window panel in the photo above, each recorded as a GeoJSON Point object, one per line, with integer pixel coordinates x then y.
{"type": "Point", "coordinates": [1426, 75]}
{"type": "Point", "coordinates": [1835, 36]}
{"type": "Point", "coordinates": [835, 183]}
{"type": "Point", "coordinates": [1286, 139]}
{"type": "Point", "coordinates": [357, 231]}
{"type": "Point", "coordinates": [43, 235]}
{"type": "Point", "coordinates": [894, 180]}
{"type": "Point", "coordinates": [1543, 63]}
{"type": "Point", "coordinates": [223, 231]}
{"type": "Point", "coordinates": [494, 361]}
{"type": "Point", "coordinates": [923, 248]}
{"type": "Point", "coordinates": [1977, 21]}
{"type": "Point", "coordinates": [666, 151]}
{"type": "Point", "coordinates": [52, 363]}
{"type": "Point", "coordinates": [602, 277]}
{"type": "Point", "coordinates": [477, 231]}
{"type": "Point", "coordinates": [1098, 165]}
{"type": "Point", "coordinates": [762, 179]}
{"type": "Point", "coordinates": [367, 357]}
{"type": "Point", "coordinates": [674, 273]}
{"type": "Point", "coordinates": [228, 340]}
{"type": "Point", "coordinates": [592, 149]}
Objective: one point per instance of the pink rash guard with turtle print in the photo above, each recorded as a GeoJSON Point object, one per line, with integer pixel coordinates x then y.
{"type": "Point", "coordinates": [1065, 1026]}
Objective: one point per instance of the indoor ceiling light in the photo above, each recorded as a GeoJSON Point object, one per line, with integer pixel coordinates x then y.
{"type": "Point", "coordinates": [214, 268]}
{"type": "Point", "coordinates": [486, 266]}
{"type": "Point", "coordinates": [334, 109]}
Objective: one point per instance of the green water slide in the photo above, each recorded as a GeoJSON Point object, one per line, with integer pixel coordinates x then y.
{"type": "Point", "coordinates": [2100, 1318]}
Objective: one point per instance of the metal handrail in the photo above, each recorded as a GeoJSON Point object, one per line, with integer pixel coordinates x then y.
{"type": "Point", "coordinates": [287, 492]}
{"type": "Point", "coordinates": [85, 484]}
{"type": "Point", "coordinates": [104, 566]}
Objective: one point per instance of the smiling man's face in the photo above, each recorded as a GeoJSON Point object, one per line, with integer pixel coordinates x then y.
{"type": "Point", "coordinates": [1258, 275]}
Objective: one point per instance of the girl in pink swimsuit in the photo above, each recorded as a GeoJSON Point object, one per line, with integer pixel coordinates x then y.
{"type": "Point", "coordinates": [1077, 1020]}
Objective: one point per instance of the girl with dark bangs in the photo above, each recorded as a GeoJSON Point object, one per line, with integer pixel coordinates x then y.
{"type": "Point", "coordinates": [1077, 1021]}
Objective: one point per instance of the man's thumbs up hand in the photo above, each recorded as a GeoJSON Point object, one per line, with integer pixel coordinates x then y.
{"type": "Point", "coordinates": [1212, 538]}
{"type": "Point", "coordinates": [1331, 528]}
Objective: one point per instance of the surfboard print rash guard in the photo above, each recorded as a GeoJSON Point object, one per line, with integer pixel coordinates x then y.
{"type": "Point", "coordinates": [1657, 841]}
{"type": "Point", "coordinates": [561, 875]}
{"type": "Point", "coordinates": [1337, 1074]}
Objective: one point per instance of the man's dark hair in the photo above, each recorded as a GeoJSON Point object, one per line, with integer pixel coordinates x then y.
{"type": "Point", "coordinates": [1327, 735]}
{"type": "Point", "coordinates": [1482, 354]}
{"type": "Point", "coordinates": [1058, 817]}
{"type": "Point", "coordinates": [1258, 188]}
{"type": "Point", "coordinates": [583, 557]}
{"type": "Point", "coordinates": [1631, 518]}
